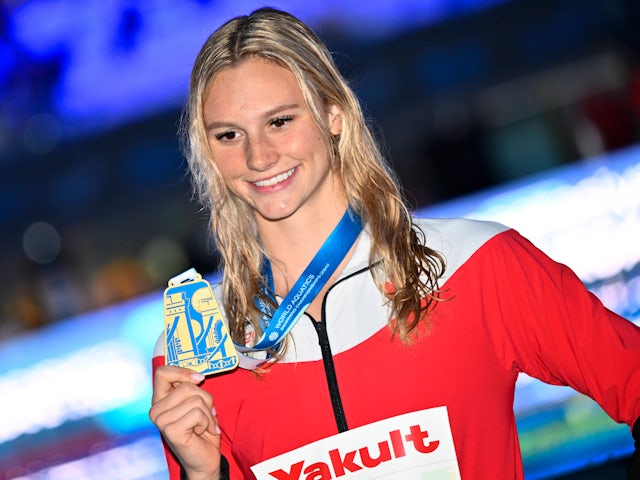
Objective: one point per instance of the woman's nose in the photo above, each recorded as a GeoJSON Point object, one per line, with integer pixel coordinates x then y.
{"type": "Point", "coordinates": [260, 155]}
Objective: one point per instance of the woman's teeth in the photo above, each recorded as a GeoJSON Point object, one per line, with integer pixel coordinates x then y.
{"type": "Point", "coordinates": [273, 180]}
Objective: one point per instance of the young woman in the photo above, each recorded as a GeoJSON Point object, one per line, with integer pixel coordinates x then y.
{"type": "Point", "coordinates": [404, 362]}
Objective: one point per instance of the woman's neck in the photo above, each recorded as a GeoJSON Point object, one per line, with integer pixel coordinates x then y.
{"type": "Point", "coordinates": [292, 242]}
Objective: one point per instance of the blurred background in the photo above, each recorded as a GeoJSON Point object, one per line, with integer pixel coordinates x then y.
{"type": "Point", "coordinates": [521, 111]}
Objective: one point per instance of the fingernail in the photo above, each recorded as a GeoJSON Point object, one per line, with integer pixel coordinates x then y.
{"type": "Point", "coordinates": [197, 377]}
{"type": "Point", "coordinates": [218, 431]}
{"type": "Point", "coordinates": [213, 411]}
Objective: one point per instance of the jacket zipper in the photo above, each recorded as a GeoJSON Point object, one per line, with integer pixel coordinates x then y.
{"type": "Point", "coordinates": [327, 360]}
{"type": "Point", "coordinates": [330, 373]}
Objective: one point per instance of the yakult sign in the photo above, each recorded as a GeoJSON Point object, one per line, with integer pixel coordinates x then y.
{"type": "Point", "coordinates": [414, 446]}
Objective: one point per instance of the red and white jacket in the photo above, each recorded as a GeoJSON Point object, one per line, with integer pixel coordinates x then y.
{"type": "Point", "coordinates": [510, 309]}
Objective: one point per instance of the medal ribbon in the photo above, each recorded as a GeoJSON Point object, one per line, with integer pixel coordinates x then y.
{"type": "Point", "coordinates": [307, 287]}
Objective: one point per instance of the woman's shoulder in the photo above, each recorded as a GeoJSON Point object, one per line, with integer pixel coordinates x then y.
{"type": "Point", "coordinates": [457, 239]}
{"type": "Point", "coordinates": [458, 232]}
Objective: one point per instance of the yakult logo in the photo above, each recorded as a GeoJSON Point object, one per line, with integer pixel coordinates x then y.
{"type": "Point", "coordinates": [349, 462]}
{"type": "Point", "coordinates": [415, 445]}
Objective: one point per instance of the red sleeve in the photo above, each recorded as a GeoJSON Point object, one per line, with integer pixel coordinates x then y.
{"type": "Point", "coordinates": [173, 464]}
{"type": "Point", "coordinates": [557, 331]}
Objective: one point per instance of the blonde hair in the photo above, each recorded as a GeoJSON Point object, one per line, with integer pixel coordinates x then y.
{"type": "Point", "coordinates": [398, 255]}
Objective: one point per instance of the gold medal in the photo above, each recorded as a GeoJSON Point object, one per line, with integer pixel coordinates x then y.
{"type": "Point", "coordinates": [196, 335]}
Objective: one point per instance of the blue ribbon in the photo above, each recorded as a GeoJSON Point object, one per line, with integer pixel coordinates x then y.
{"type": "Point", "coordinates": [278, 324]}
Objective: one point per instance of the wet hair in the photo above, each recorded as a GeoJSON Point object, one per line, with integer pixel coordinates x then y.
{"type": "Point", "coordinates": [404, 269]}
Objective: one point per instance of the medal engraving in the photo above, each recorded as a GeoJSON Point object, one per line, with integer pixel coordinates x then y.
{"type": "Point", "coordinates": [195, 333]}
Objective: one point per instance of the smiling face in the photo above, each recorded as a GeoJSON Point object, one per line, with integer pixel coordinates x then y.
{"type": "Point", "coordinates": [266, 144]}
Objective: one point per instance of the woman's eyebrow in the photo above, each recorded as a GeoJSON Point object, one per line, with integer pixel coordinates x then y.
{"type": "Point", "coordinates": [267, 114]}
{"type": "Point", "coordinates": [280, 108]}
{"type": "Point", "coordinates": [212, 125]}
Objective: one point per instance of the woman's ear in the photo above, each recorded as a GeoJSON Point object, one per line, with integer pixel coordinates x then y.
{"type": "Point", "coordinates": [335, 119]}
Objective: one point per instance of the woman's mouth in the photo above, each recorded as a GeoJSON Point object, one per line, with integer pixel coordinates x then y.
{"type": "Point", "coordinates": [275, 180]}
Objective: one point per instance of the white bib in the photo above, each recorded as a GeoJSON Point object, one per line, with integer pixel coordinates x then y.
{"type": "Point", "coordinates": [414, 446]}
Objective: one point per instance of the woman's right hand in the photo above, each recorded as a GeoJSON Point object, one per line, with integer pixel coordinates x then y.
{"type": "Point", "coordinates": [184, 414]}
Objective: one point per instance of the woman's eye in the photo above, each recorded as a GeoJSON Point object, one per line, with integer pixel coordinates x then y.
{"type": "Point", "coordinates": [230, 135]}
{"type": "Point", "coordinates": [281, 121]}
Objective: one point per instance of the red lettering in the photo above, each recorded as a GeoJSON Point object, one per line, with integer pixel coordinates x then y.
{"type": "Point", "coordinates": [346, 463]}
{"type": "Point", "coordinates": [340, 464]}
{"type": "Point", "coordinates": [296, 469]}
{"type": "Point", "coordinates": [397, 444]}
{"type": "Point", "coordinates": [318, 471]}
{"type": "Point", "coordinates": [385, 455]}
{"type": "Point", "coordinates": [418, 437]}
